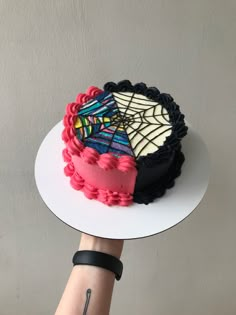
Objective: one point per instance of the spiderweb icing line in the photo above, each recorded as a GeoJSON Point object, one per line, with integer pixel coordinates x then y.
{"type": "Point", "coordinates": [134, 108]}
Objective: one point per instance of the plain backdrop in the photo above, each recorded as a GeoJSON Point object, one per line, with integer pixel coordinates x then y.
{"type": "Point", "coordinates": [52, 50]}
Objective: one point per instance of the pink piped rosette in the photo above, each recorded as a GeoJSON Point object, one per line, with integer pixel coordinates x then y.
{"type": "Point", "coordinates": [106, 161]}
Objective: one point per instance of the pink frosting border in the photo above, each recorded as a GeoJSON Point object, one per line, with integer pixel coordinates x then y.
{"type": "Point", "coordinates": [105, 196]}
{"type": "Point", "coordinates": [106, 161]}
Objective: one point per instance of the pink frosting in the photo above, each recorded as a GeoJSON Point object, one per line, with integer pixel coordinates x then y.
{"type": "Point", "coordinates": [72, 108]}
{"type": "Point", "coordinates": [90, 191]}
{"type": "Point", "coordinates": [106, 161]}
{"type": "Point", "coordinates": [76, 181]}
{"type": "Point", "coordinates": [114, 178]}
{"type": "Point", "coordinates": [82, 98]}
{"type": "Point", "coordinates": [75, 146]}
{"type": "Point", "coordinates": [67, 134]}
{"type": "Point", "coordinates": [69, 120]}
{"type": "Point", "coordinates": [69, 169]}
{"type": "Point", "coordinates": [66, 155]}
{"type": "Point", "coordinates": [90, 155]}
{"type": "Point", "coordinates": [93, 91]}
{"type": "Point", "coordinates": [103, 195]}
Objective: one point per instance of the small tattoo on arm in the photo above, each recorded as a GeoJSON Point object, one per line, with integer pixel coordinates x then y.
{"type": "Point", "coordinates": [88, 295]}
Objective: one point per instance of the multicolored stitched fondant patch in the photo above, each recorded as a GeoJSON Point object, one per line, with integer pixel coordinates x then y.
{"type": "Point", "coordinates": [123, 123]}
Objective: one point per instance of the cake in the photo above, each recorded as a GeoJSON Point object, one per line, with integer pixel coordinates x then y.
{"type": "Point", "coordinates": [123, 143]}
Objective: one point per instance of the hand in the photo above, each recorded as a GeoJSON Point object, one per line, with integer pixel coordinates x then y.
{"type": "Point", "coordinates": [104, 245]}
{"type": "Point", "coordinates": [86, 281]}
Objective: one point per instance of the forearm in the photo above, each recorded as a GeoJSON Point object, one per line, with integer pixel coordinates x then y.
{"type": "Point", "coordinates": [89, 289]}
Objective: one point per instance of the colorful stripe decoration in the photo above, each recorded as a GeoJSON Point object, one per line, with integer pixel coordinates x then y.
{"type": "Point", "coordinates": [99, 126]}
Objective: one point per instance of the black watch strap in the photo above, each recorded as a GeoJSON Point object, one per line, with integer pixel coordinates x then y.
{"type": "Point", "coordinates": [98, 259]}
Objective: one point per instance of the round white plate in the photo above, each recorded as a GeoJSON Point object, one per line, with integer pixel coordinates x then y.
{"type": "Point", "coordinates": [135, 221]}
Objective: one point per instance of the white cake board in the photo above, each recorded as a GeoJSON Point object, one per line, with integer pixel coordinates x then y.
{"type": "Point", "coordinates": [135, 221]}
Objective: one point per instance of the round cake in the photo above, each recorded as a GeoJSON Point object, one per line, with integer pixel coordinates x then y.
{"type": "Point", "coordinates": [123, 143]}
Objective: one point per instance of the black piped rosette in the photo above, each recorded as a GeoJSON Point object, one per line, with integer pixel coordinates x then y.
{"type": "Point", "coordinates": [171, 147]}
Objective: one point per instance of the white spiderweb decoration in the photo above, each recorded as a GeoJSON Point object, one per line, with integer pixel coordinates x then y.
{"type": "Point", "coordinates": [145, 121]}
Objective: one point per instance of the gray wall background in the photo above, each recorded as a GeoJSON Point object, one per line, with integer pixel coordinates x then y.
{"type": "Point", "coordinates": [50, 51]}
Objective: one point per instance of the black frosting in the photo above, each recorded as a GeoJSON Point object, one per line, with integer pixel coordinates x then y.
{"type": "Point", "coordinates": [157, 171]}
{"type": "Point", "coordinates": [156, 187]}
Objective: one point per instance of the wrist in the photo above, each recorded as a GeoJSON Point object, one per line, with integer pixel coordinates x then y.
{"type": "Point", "coordinates": [107, 246]}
